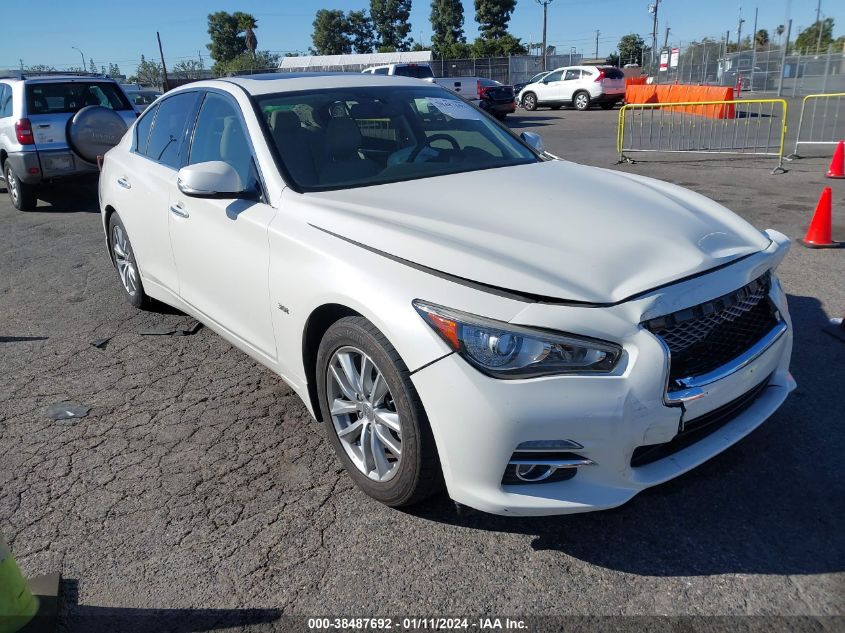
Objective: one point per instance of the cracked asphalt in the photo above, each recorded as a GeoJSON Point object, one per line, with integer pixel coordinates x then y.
{"type": "Point", "coordinates": [199, 495]}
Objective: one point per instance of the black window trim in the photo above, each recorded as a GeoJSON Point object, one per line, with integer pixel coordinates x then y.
{"type": "Point", "coordinates": [234, 103]}
{"type": "Point", "coordinates": [192, 113]}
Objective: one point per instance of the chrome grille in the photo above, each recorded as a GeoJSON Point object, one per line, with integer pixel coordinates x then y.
{"type": "Point", "coordinates": [711, 334]}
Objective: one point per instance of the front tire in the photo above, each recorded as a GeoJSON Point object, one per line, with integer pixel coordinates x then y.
{"type": "Point", "coordinates": [581, 101]}
{"type": "Point", "coordinates": [22, 194]}
{"type": "Point", "coordinates": [123, 257]}
{"type": "Point", "coordinates": [373, 416]}
{"type": "Point", "coordinates": [529, 102]}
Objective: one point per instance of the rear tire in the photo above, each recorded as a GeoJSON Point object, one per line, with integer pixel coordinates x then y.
{"type": "Point", "coordinates": [529, 101]}
{"type": "Point", "coordinates": [581, 100]}
{"type": "Point", "coordinates": [123, 257]}
{"type": "Point", "coordinates": [373, 421]}
{"type": "Point", "coordinates": [23, 195]}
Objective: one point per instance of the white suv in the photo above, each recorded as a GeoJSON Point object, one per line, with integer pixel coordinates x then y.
{"type": "Point", "coordinates": [578, 86]}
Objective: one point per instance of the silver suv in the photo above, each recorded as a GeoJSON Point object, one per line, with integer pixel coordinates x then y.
{"type": "Point", "coordinates": [55, 126]}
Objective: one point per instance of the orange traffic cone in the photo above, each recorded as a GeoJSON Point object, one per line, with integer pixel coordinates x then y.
{"type": "Point", "coordinates": [819, 235]}
{"type": "Point", "coordinates": [837, 164]}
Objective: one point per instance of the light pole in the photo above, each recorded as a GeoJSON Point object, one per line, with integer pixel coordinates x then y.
{"type": "Point", "coordinates": [652, 8]}
{"type": "Point", "coordinates": [545, 4]}
{"type": "Point", "coordinates": [82, 56]}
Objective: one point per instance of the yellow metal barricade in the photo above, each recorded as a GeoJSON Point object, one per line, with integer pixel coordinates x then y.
{"type": "Point", "coordinates": [17, 604]}
{"type": "Point", "coordinates": [746, 127]}
{"type": "Point", "coordinates": [822, 121]}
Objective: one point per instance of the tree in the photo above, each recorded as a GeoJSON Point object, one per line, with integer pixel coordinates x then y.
{"type": "Point", "coordinates": [761, 39]}
{"type": "Point", "coordinates": [189, 69]}
{"type": "Point", "coordinates": [493, 17]}
{"type": "Point", "coordinates": [498, 47]}
{"type": "Point", "coordinates": [149, 73]}
{"type": "Point", "coordinates": [224, 30]}
{"type": "Point", "coordinates": [330, 36]}
{"type": "Point", "coordinates": [40, 68]}
{"type": "Point", "coordinates": [247, 23]}
{"type": "Point", "coordinates": [247, 62]}
{"type": "Point", "coordinates": [808, 39]}
{"type": "Point", "coordinates": [114, 71]}
{"type": "Point", "coordinates": [447, 26]}
{"type": "Point", "coordinates": [631, 48]}
{"type": "Point", "coordinates": [391, 21]}
{"type": "Point", "coordinates": [359, 28]}
{"type": "Point", "coordinates": [92, 67]}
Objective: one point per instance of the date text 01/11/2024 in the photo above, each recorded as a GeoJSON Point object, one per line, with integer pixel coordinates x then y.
{"type": "Point", "coordinates": [413, 624]}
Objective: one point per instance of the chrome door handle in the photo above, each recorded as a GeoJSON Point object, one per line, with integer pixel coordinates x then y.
{"type": "Point", "coordinates": [178, 209]}
{"type": "Point", "coordinates": [124, 183]}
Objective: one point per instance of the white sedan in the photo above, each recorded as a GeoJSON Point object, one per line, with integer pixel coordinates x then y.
{"type": "Point", "coordinates": [339, 229]}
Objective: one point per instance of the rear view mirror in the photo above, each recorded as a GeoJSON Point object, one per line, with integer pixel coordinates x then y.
{"type": "Point", "coordinates": [534, 140]}
{"type": "Point", "coordinates": [213, 179]}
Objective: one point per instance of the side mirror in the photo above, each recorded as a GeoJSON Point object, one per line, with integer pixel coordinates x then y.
{"type": "Point", "coordinates": [534, 140]}
{"type": "Point", "coordinates": [213, 179]}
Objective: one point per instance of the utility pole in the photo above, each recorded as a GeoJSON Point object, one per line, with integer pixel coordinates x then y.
{"type": "Point", "coordinates": [653, 9]}
{"type": "Point", "coordinates": [739, 31]}
{"type": "Point", "coordinates": [597, 43]}
{"type": "Point", "coordinates": [754, 48]}
{"type": "Point", "coordinates": [783, 57]}
{"type": "Point", "coordinates": [545, 4]}
{"type": "Point", "coordinates": [666, 37]}
{"type": "Point", "coordinates": [163, 67]}
{"type": "Point", "coordinates": [819, 25]}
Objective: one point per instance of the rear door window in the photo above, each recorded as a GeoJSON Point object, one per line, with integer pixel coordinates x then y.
{"type": "Point", "coordinates": [142, 130]}
{"type": "Point", "coordinates": [169, 128]}
{"type": "Point", "coordinates": [571, 74]}
{"type": "Point", "coordinates": [72, 96]}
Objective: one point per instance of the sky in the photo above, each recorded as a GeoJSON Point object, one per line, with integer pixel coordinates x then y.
{"type": "Point", "coordinates": [120, 32]}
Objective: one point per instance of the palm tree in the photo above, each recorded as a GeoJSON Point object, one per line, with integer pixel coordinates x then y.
{"type": "Point", "coordinates": [779, 32]}
{"type": "Point", "coordinates": [247, 24]}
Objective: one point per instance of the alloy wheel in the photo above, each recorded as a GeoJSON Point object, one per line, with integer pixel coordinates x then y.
{"type": "Point", "coordinates": [12, 186]}
{"type": "Point", "coordinates": [581, 101]}
{"type": "Point", "coordinates": [123, 260]}
{"type": "Point", "coordinates": [364, 414]}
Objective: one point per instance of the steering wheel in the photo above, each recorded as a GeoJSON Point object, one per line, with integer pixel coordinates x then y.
{"type": "Point", "coordinates": [431, 139]}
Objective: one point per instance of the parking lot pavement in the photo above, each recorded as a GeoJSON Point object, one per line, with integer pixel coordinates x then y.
{"type": "Point", "coordinates": [198, 484]}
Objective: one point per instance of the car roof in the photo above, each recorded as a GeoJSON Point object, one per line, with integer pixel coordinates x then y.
{"type": "Point", "coordinates": [270, 83]}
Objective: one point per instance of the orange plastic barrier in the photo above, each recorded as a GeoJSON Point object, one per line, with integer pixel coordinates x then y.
{"type": "Point", "coordinates": [636, 81]}
{"type": "Point", "coordinates": [679, 93]}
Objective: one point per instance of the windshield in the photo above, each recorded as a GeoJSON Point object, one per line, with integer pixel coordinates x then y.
{"type": "Point", "coordinates": [71, 96]}
{"type": "Point", "coordinates": [352, 137]}
{"type": "Point", "coordinates": [538, 77]}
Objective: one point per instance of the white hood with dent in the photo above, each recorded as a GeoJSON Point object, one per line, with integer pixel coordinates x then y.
{"type": "Point", "coordinates": [556, 229]}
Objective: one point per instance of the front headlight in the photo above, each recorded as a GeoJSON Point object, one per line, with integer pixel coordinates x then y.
{"type": "Point", "coordinates": [502, 350]}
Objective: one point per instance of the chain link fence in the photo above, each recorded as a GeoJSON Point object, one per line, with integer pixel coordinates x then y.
{"type": "Point", "coordinates": [764, 70]}
{"type": "Point", "coordinates": [506, 70]}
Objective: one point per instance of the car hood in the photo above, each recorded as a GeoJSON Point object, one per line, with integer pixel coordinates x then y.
{"type": "Point", "coordinates": [554, 229]}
